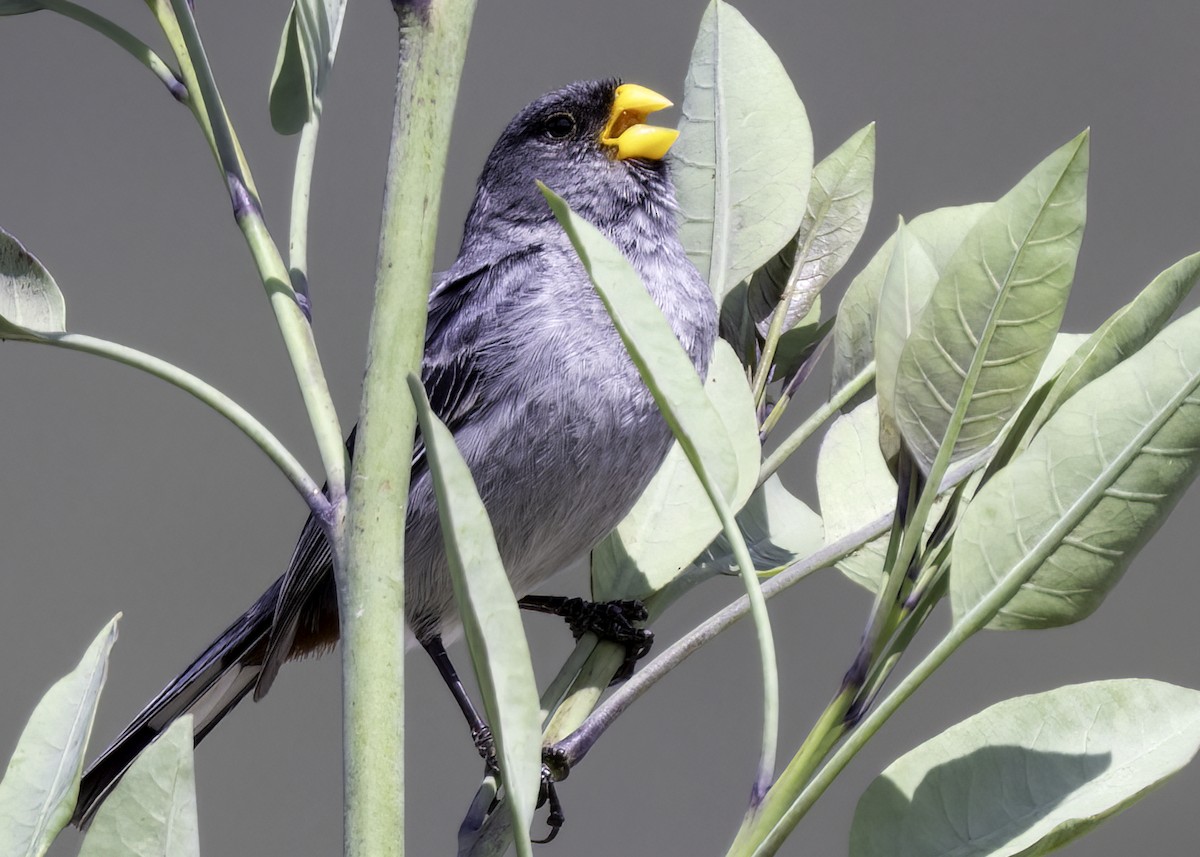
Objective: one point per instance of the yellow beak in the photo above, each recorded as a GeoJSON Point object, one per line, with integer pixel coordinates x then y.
{"type": "Point", "coordinates": [625, 130]}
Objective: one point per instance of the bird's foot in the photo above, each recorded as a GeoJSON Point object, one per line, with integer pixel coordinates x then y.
{"type": "Point", "coordinates": [608, 620]}
{"type": "Point", "coordinates": [554, 768]}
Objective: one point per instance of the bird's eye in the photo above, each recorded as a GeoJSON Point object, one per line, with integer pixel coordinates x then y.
{"type": "Point", "coordinates": [559, 126]}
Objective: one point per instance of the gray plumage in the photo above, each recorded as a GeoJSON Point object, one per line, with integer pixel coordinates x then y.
{"type": "Point", "coordinates": [524, 366]}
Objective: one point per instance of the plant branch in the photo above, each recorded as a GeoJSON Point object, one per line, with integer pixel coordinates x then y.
{"type": "Point", "coordinates": [433, 36]}
{"type": "Point", "coordinates": [209, 395]}
{"type": "Point", "coordinates": [306, 153]}
{"type": "Point", "coordinates": [293, 324]}
{"type": "Point", "coordinates": [136, 48]}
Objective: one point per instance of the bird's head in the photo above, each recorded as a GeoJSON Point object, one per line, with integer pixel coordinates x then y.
{"type": "Point", "coordinates": [590, 143]}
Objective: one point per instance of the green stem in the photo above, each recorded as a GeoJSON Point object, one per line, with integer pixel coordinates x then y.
{"type": "Point", "coordinates": [433, 37]}
{"type": "Point", "coordinates": [209, 395]}
{"type": "Point", "coordinates": [775, 826]}
{"type": "Point", "coordinates": [136, 48]}
{"type": "Point", "coordinates": [306, 155]}
{"type": "Point", "coordinates": [830, 727]}
{"type": "Point", "coordinates": [793, 441]}
{"type": "Point", "coordinates": [293, 324]}
{"type": "Point", "coordinates": [766, 642]}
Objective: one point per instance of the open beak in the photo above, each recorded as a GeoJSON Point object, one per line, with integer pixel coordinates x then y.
{"type": "Point", "coordinates": [626, 131]}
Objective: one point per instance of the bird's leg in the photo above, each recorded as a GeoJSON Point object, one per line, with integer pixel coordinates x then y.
{"type": "Point", "coordinates": [485, 742]}
{"type": "Point", "coordinates": [608, 620]}
{"type": "Point", "coordinates": [481, 733]}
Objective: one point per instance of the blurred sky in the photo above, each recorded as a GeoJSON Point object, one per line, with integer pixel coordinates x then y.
{"type": "Point", "coordinates": [119, 493]}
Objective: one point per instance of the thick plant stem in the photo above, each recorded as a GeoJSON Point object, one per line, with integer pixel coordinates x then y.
{"type": "Point", "coordinates": [433, 37]}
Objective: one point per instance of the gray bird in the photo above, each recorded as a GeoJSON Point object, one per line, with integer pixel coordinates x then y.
{"type": "Point", "coordinates": [524, 366]}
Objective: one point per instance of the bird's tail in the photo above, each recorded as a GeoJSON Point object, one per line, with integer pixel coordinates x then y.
{"type": "Point", "coordinates": [208, 689]}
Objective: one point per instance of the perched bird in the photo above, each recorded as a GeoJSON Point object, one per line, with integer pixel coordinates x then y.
{"type": "Point", "coordinates": [524, 366]}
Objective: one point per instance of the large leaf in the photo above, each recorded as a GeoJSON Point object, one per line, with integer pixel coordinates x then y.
{"type": "Point", "coordinates": [305, 58]}
{"type": "Point", "coordinates": [1028, 775]}
{"type": "Point", "coordinates": [30, 302]}
{"type": "Point", "coordinates": [41, 784]}
{"type": "Point", "coordinates": [674, 520]}
{"type": "Point", "coordinates": [855, 487]}
{"type": "Point", "coordinates": [907, 285]}
{"type": "Point", "coordinates": [1125, 331]}
{"type": "Point", "coordinates": [491, 619]}
{"type": "Point", "coordinates": [993, 315]}
{"type": "Point", "coordinates": [1093, 486]}
{"type": "Point", "coordinates": [940, 232]}
{"type": "Point", "coordinates": [839, 202]}
{"type": "Point", "coordinates": [152, 811]}
{"type": "Point", "coordinates": [744, 158]}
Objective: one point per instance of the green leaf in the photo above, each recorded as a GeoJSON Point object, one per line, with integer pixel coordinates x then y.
{"type": "Point", "coordinates": [744, 158]}
{"type": "Point", "coordinates": [909, 281]}
{"type": "Point", "coordinates": [491, 619]}
{"type": "Point", "coordinates": [1125, 331]}
{"type": "Point", "coordinates": [673, 520]}
{"type": "Point", "coordinates": [839, 202]}
{"type": "Point", "coordinates": [30, 303]}
{"type": "Point", "coordinates": [1028, 775]}
{"type": "Point", "coordinates": [302, 65]}
{"type": "Point", "coordinates": [855, 487]}
{"type": "Point", "coordinates": [778, 528]}
{"type": "Point", "coordinates": [940, 232]}
{"type": "Point", "coordinates": [1094, 485]}
{"type": "Point", "coordinates": [41, 784]}
{"type": "Point", "coordinates": [992, 317]}
{"type": "Point", "coordinates": [664, 366]}
{"type": "Point", "coordinates": [152, 811]}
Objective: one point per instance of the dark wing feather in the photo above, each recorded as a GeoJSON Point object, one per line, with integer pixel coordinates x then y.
{"type": "Point", "coordinates": [453, 382]}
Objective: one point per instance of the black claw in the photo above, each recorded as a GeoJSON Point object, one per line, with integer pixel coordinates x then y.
{"type": "Point", "coordinates": [548, 794]}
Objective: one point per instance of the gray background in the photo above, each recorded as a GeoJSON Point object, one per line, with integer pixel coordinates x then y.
{"type": "Point", "coordinates": [119, 493]}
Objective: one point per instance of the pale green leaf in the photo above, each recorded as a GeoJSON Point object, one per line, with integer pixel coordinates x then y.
{"type": "Point", "coordinates": [854, 487]}
{"type": "Point", "coordinates": [152, 811]}
{"type": "Point", "coordinates": [673, 520]}
{"type": "Point", "coordinates": [940, 232]}
{"type": "Point", "coordinates": [839, 203]}
{"type": "Point", "coordinates": [41, 784]}
{"type": "Point", "coordinates": [1094, 485]}
{"type": "Point", "coordinates": [1028, 775]}
{"type": "Point", "coordinates": [491, 619]}
{"type": "Point", "coordinates": [30, 303]}
{"type": "Point", "coordinates": [744, 158]}
{"type": "Point", "coordinates": [302, 65]}
{"type": "Point", "coordinates": [907, 285]}
{"type": "Point", "coordinates": [977, 347]}
{"type": "Point", "coordinates": [1125, 331]}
